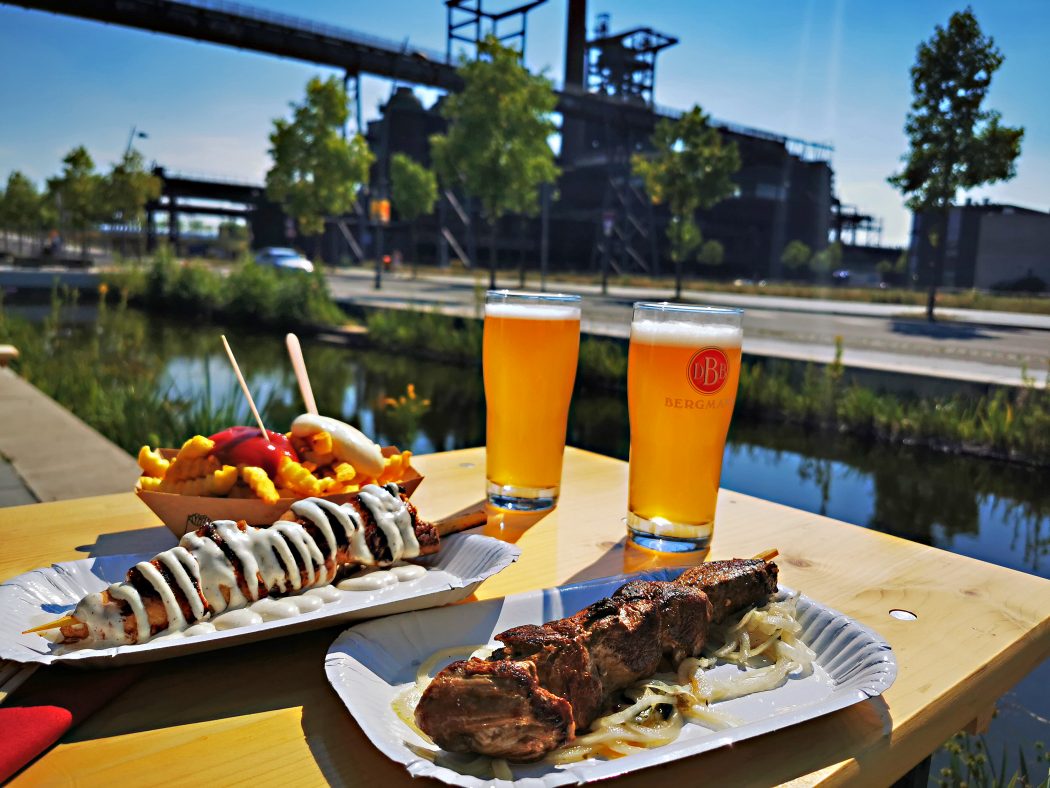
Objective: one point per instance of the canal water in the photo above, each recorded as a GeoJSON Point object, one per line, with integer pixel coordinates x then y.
{"type": "Point", "coordinates": [993, 511]}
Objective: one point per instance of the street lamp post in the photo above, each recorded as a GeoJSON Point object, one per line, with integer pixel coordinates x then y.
{"type": "Point", "coordinates": [135, 134]}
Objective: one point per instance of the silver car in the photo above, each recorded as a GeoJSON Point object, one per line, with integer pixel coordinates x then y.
{"type": "Point", "coordinates": [284, 259]}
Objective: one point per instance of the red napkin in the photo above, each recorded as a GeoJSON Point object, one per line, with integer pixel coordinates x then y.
{"type": "Point", "coordinates": [54, 700]}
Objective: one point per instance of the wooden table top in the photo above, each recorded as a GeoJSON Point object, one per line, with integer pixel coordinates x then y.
{"type": "Point", "coordinates": [265, 714]}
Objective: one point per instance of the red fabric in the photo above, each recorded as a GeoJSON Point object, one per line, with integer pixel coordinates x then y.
{"type": "Point", "coordinates": [54, 700]}
{"type": "Point", "coordinates": [25, 732]}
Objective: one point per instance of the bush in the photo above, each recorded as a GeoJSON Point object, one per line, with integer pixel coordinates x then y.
{"type": "Point", "coordinates": [264, 296]}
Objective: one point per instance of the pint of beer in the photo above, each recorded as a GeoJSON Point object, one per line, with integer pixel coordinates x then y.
{"type": "Point", "coordinates": [531, 346]}
{"type": "Point", "coordinates": [682, 376]}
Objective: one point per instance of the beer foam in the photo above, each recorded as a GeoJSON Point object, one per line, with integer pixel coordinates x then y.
{"type": "Point", "coordinates": [681, 332]}
{"type": "Point", "coordinates": [537, 311]}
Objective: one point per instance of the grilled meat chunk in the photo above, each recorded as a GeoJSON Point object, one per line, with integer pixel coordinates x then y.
{"type": "Point", "coordinates": [549, 681]}
{"type": "Point", "coordinates": [496, 707]}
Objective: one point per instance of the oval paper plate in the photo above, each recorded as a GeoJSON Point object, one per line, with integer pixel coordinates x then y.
{"type": "Point", "coordinates": [370, 664]}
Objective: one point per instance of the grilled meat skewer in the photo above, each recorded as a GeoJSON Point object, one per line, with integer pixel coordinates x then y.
{"type": "Point", "coordinates": [551, 681]}
{"type": "Point", "coordinates": [225, 565]}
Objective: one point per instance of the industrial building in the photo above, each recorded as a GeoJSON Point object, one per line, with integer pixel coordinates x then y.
{"type": "Point", "coordinates": [988, 246]}
{"type": "Point", "coordinates": [601, 218]}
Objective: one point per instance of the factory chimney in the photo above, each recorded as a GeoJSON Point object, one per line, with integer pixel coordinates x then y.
{"type": "Point", "coordinates": [576, 43]}
{"type": "Point", "coordinates": [572, 128]}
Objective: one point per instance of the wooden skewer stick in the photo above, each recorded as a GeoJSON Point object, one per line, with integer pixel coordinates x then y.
{"type": "Point", "coordinates": [65, 621]}
{"type": "Point", "coordinates": [244, 388]}
{"type": "Point", "coordinates": [470, 517]}
{"type": "Point", "coordinates": [768, 555]}
{"type": "Point", "coordinates": [295, 353]}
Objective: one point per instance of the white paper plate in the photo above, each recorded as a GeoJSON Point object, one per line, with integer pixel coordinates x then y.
{"type": "Point", "coordinates": [45, 594]}
{"type": "Point", "coordinates": [370, 664]}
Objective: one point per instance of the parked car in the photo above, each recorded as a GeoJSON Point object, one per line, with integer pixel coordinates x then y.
{"type": "Point", "coordinates": [283, 259]}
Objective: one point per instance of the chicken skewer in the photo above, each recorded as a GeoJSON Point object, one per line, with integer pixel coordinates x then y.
{"type": "Point", "coordinates": [549, 682]}
{"type": "Point", "coordinates": [225, 565]}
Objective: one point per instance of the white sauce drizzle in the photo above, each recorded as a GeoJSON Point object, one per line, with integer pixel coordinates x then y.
{"type": "Point", "coordinates": [327, 594]}
{"type": "Point", "coordinates": [235, 619]}
{"type": "Point", "coordinates": [373, 581]}
{"type": "Point", "coordinates": [267, 561]}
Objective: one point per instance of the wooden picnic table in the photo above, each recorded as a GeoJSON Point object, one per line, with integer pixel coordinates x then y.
{"type": "Point", "coordinates": [264, 713]}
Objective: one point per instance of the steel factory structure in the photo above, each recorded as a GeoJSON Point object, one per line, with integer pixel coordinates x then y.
{"type": "Point", "coordinates": [601, 217]}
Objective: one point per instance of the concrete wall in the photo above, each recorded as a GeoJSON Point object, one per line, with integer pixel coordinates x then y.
{"type": "Point", "coordinates": [1011, 246]}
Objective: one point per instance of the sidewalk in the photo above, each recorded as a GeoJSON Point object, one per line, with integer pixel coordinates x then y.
{"type": "Point", "coordinates": [53, 454]}
{"type": "Point", "coordinates": [13, 491]}
{"type": "Point", "coordinates": [822, 306]}
{"type": "Point", "coordinates": [878, 339]}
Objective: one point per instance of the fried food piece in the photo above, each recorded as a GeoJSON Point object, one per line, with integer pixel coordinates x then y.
{"type": "Point", "coordinates": [343, 472]}
{"type": "Point", "coordinates": [295, 476]}
{"type": "Point", "coordinates": [197, 446]}
{"type": "Point", "coordinates": [260, 483]}
{"type": "Point", "coordinates": [395, 467]}
{"type": "Point", "coordinates": [215, 484]}
{"type": "Point", "coordinates": [321, 442]}
{"type": "Point", "coordinates": [152, 463]}
{"type": "Point", "coordinates": [184, 469]}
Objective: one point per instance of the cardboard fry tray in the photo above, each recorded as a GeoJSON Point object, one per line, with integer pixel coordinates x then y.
{"type": "Point", "coordinates": [174, 509]}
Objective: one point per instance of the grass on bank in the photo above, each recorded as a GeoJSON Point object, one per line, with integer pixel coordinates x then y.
{"type": "Point", "coordinates": [249, 293]}
{"type": "Point", "coordinates": [1008, 423]}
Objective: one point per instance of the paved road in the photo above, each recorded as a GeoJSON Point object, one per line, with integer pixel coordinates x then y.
{"type": "Point", "coordinates": [874, 336]}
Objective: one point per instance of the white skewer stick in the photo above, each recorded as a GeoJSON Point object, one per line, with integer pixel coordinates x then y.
{"type": "Point", "coordinates": [244, 388]}
{"type": "Point", "coordinates": [295, 353]}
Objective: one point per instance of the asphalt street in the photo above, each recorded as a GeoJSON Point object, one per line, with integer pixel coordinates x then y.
{"type": "Point", "coordinates": [984, 347]}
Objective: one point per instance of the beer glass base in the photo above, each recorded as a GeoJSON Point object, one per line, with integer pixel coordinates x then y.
{"type": "Point", "coordinates": [657, 535]}
{"type": "Point", "coordinates": [522, 499]}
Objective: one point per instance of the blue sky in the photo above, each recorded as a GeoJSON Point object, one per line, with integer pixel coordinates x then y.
{"type": "Point", "coordinates": [829, 70]}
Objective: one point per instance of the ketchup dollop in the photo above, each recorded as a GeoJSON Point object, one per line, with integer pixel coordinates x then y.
{"type": "Point", "coordinates": [247, 446]}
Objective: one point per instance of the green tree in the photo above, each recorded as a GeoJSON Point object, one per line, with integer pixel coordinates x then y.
{"type": "Point", "coordinates": [317, 173]}
{"type": "Point", "coordinates": [690, 169]}
{"type": "Point", "coordinates": [233, 238]}
{"type": "Point", "coordinates": [413, 190]}
{"type": "Point", "coordinates": [78, 194]}
{"type": "Point", "coordinates": [954, 143]}
{"type": "Point", "coordinates": [712, 253]}
{"type": "Point", "coordinates": [826, 260]}
{"type": "Point", "coordinates": [496, 148]}
{"type": "Point", "coordinates": [20, 207]}
{"type": "Point", "coordinates": [128, 187]}
{"type": "Point", "coordinates": [796, 256]}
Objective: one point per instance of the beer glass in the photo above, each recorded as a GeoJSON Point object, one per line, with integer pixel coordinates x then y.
{"type": "Point", "coordinates": [531, 345]}
{"type": "Point", "coordinates": [682, 375]}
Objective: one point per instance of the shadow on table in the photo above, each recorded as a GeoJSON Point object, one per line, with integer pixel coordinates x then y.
{"type": "Point", "coordinates": [142, 540]}
{"type": "Point", "coordinates": [279, 674]}
{"type": "Point", "coordinates": [623, 558]}
{"type": "Point", "coordinates": [510, 526]}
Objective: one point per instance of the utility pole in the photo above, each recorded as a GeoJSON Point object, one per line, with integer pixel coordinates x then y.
{"type": "Point", "coordinates": [135, 134]}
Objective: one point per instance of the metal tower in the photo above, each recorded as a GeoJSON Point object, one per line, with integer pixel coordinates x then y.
{"type": "Point", "coordinates": [469, 23]}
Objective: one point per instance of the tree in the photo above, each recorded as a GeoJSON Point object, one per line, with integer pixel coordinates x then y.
{"type": "Point", "coordinates": [826, 260]}
{"type": "Point", "coordinates": [496, 147]}
{"type": "Point", "coordinates": [691, 168]}
{"type": "Point", "coordinates": [796, 256]}
{"type": "Point", "coordinates": [712, 253]}
{"type": "Point", "coordinates": [954, 143]}
{"type": "Point", "coordinates": [128, 187]}
{"type": "Point", "coordinates": [20, 206]}
{"type": "Point", "coordinates": [317, 173]}
{"type": "Point", "coordinates": [413, 189]}
{"type": "Point", "coordinates": [77, 193]}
